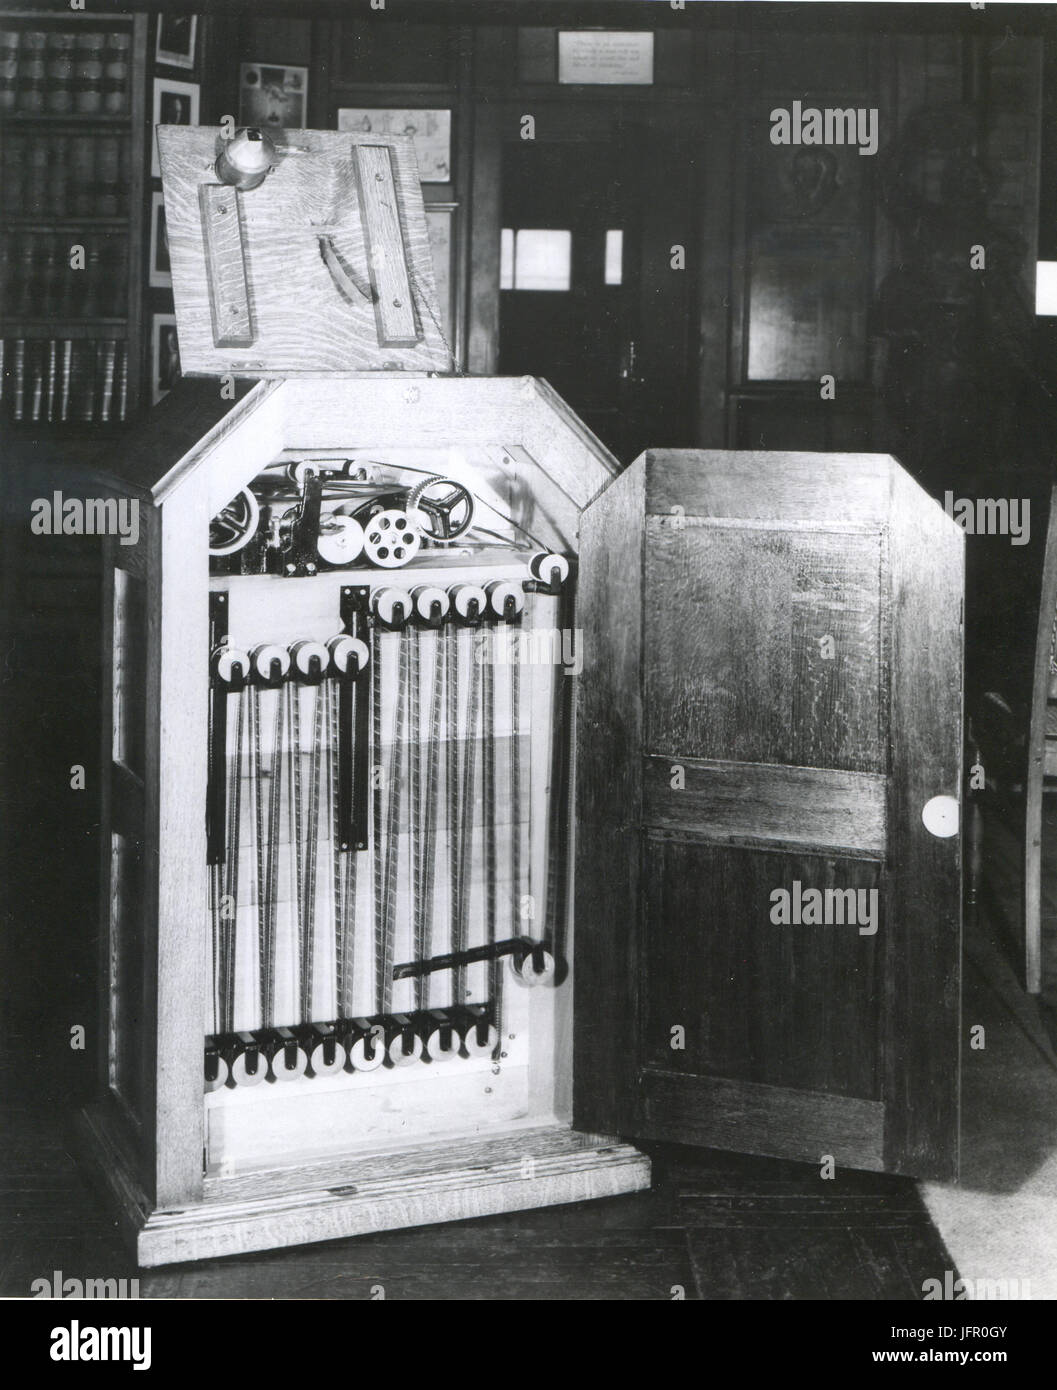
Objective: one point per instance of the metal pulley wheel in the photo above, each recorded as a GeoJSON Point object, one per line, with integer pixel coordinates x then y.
{"type": "Point", "coordinates": [391, 539]}
{"type": "Point", "coordinates": [442, 508]}
{"type": "Point", "coordinates": [235, 525]}
{"type": "Point", "coordinates": [340, 540]}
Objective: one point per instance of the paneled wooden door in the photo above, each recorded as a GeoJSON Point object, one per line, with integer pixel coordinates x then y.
{"type": "Point", "coordinates": [769, 770]}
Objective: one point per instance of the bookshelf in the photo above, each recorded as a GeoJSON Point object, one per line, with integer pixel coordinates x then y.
{"type": "Point", "coordinates": [72, 153]}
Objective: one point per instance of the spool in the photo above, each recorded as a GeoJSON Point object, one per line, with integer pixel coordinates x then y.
{"type": "Point", "coordinates": [318, 1057]}
{"type": "Point", "coordinates": [405, 1033]}
{"type": "Point", "coordinates": [538, 967]}
{"type": "Point", "coordinates": [264, 658]}
{"type": "Point", "coordinates": [340, 540]}
{"type": "Point", "coordinates": [544, 565]}
{"type": "Point", "coordinates": [346, 651]}
{"type": "Point", "coordinates": [474, 1047]}
{"type": "Point", "coordinates": [431, 603]}
{"type": "Point", "coordinates": [506, 599]}
{"type": "Point", "coordinates": [304, 653]}
{"type": "Point", "coordinates": [358, 1050]}
{"type": "Point", "coordinates": [393, 607]}
{"type": "Point", "coordinates": [442, 1032]}
{"type": "Point", "coordinates": [468, 601]}
{"type": "Point", "coordinates": [391, 539]}
{"type": "Point", "coordinates": [231, 664]}
{"type": "Point", "coordinates": [241, 1076]}
{"type": "Point", "coordinates": [281, 1068]}
{"type": "Point", "coordinates": [235, 525]}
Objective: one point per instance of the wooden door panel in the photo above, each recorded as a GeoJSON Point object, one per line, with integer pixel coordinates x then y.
{"type": "Point", "coordinates": [756, 677]}
{"type": "Point", "coordinates": [795, 1005]}
{"type": "Point", "coordinates": [771, 694]}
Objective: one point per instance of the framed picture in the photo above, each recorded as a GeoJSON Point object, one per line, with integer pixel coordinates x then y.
{"type": "Point", "coordinates": [175, 43]}
{"type": "Point", "coordinates": [164, 356]}
{"type": "Point", "coordinates": [440, 222]}
{"type": "Point", "coordinates": [270, 95]}
{"type": "Point", "coordinates": [175, 103]}
{"type": "Point", "coordinates": [160, 274]}
{"type": "Point", "coordinates": [430, 130]}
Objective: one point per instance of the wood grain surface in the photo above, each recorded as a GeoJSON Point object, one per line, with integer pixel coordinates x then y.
{"type": "Point", "coordinates": [302, 322]}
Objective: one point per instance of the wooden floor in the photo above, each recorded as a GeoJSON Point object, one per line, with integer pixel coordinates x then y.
{"type": "Point", "coordinates": [714, 1227]}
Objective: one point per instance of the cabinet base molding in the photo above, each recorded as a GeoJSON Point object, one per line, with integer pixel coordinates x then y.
{"type": "Point", "coordinates": [516, 1170]}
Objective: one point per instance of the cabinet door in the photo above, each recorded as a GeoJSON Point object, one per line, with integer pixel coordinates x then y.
{"type": "Point", "coordinates": [769, 769]}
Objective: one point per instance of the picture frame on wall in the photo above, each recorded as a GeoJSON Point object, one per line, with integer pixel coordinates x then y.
{"type": "Point", "coordinates": [175, 103]}
{"type": "Point", "coordinates": [273, 95]}
{"type": "Point", "coordinates": [164, 356]}
{"type": "Point", "coordinates": [175, 41]}
{"type": "Point", "coordinates": [430, 131]}
{"type": "Point", "coordinates": [160, 271]}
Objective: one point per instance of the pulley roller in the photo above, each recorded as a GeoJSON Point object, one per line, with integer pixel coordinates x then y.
{"type": "Point", "coordinates": [442, 1041]}
{"type": "Point", "coordinates": [537, 968]}
{"type": "Point", "coordinates": [391, 539]}
{"type": "Point", "coordinates": [340, 540]}
{"type": "Point", "coordinates": [549, 568]}
{"type": "Point", "coordinates": [474, 1046]}
{"type": "Point", "coordinates": [370, 1037]}
{"type": "Point", "coordinates": [329, 1045]}
{"type": "Point", "coordinates": [240, 1073]}
{"type": "Point", "coordinates": [310, 659]}
{"type": "Point", "coordinates": [405, 1045]}
{"type": "Point", "coordinates": [393, 607]}
{"type": "Point", "coordinates": [271, 662]}
{"type": "Point", "coordinates": [288, 1060]}
{"type": "Point", "coordinates": [231, 665]}
{"type": "Point", "coordinates": [431, 603]}
{"type": "Point", "coordinates": [348, 653]}
{"type": "Point", "coordinates": [468, 601]}
{"type": "Point", "coordinates": [505, 599]}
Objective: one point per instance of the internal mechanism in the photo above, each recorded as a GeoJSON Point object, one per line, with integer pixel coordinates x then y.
{"type": "Point", "coordinates": [304, 515]}
{"type": "Point", "coordinates": [386, 817]}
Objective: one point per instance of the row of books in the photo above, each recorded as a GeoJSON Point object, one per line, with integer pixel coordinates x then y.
{"type": "Point", "coordinates": [61, 73]}
{"type": "Point", "coordinates": [63, 380]}
{"type": "Point", "coordinates": [64, 276]}
{"type": "Point", "coordinates": [55, 175]}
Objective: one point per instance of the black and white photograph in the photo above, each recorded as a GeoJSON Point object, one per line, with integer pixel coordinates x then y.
{"type": "Point", "coordinates": [529, 673]}
{"type": "Point", "coordinates": [174, 44]}
{"type": "Point", "coordinates": [175, 103]}
{"type": "Point", "coordinates": [270, 95]}
{"type": "Point", "coordinates": [159, 272]}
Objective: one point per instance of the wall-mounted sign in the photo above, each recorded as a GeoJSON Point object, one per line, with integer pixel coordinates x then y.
{"type": "Point", "coordinates": [430, 132]}
{"type": "Point", "coordinates": [593, 56]}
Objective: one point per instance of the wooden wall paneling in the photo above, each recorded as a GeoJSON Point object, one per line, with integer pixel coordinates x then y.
{"type": "Point", "coordinates": [485, 214]}
{"type": "Point", "coordinates": [106, 716]}
{"type": "Point", "coordinates": [716, 274]}
{"type": "Point", "coordinates": [137, 344]}
{"type": "Point", "coordinates": [609, 806]}
{"type": "Point", "coordinates": [177, 841]}
{"type": "Point", "coordinates": [922, 968]}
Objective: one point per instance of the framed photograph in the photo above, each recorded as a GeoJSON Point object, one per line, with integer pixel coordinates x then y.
{"type": "Point", "coordinates": [440, 222]}
{"type": "Point", "coordinates": [175, 43]}
{"type": "Point", "coordinates": [175, 103]}
{"type": "Point", "coordinates": [164, 356]}
{"type": "Point", "coordinates": [160, 272]}
{"type": "Point", "coordinates": [430, 131]}
{"type": "Point", "coordinates": [270, 95]}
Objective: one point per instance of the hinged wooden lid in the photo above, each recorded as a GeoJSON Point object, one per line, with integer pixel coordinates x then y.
{"type": "Point", "coordinates": [323, 268]}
